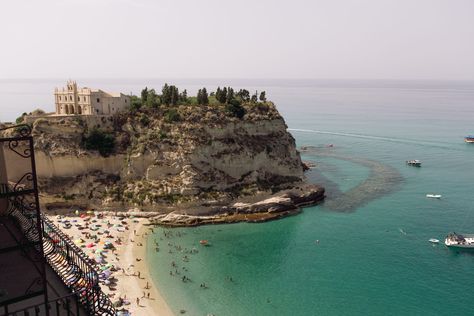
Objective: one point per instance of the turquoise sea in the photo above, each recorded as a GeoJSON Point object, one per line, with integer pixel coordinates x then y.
{"type": "Point", "coordinates": [373, 258]}
{"type": "Point", "coordinates": [373, 255]}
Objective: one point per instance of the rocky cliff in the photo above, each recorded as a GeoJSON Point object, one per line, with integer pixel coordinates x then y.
{"type": "Point", "coordinates": [197, 159]}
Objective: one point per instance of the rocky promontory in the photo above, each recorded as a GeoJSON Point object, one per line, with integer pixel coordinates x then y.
{"type": "Point", "coordinates": [195, 164]}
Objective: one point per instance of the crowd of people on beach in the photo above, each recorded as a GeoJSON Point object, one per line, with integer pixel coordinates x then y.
{"type": "Point", "coordinates": [103, 238]}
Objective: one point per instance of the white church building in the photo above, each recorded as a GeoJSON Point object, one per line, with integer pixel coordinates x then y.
{"type": "Point", "coordinates": [71, 100]}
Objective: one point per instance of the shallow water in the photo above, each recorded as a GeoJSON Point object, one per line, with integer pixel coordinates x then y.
{"type": "Point", "coordinates": [373, 258]}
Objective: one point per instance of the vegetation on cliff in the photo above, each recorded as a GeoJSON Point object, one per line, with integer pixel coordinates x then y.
{"type": "Point", "coordinates": [171, 148]}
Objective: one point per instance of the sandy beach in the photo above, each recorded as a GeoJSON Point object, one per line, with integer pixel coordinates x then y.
{"type": "Point", "coordinates": [118, 245]}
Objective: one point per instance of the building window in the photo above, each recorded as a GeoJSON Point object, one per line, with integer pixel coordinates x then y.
{"type": "Point", "coordinates": [78, 98]}
{"type": "Point", "coordinates": [125, 100]}
{"type": "Point", "coordinates": [84, 99]}
{"type": "Point", "coordinates": [70, 98]}
{"type": "Point", "coordinates": [98, 100]}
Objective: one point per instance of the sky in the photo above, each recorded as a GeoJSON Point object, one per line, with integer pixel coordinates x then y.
{"type": "Point", "coordinates": [332, 39]}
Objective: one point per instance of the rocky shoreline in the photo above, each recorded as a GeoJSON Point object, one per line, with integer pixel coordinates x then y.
{"type": "Point", "coordinates": [281, 204]}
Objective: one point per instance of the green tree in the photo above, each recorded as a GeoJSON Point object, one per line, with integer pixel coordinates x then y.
{"type": "Point", "coordinates": [244, 95]}
{"type": "Point", "coordinates": [234, 108]}
{"type": "Point", "coordinates": [166, 94]}
{"type": "Point", "coordinates": [254, 98]}
{"type": "Point", "coordinates": [174, 95]}
{"type": "Point", "coordinates": [218, 94]}
{"type": "Point", "coordinates": [100, 141]}
{"type": "Point", "coordinates": [19, 119]}
{"type": "Point", "coordinates": [183, 97]}
{"type": "Point", "coordinates": [230, 95]}
{"type": "Point", "coordinates": [204, 97]}
{"type": "Point", "coordinates": [199, 97]}
{"type": "Point", "coordinates": [135, 103]}
{"type": "Point", "coordinates": [152, 99]}
{"type": "Point", "coordinates": [223, 95]}
{"type": "Point", "coordinates": [144, 95]}
{"type": "Point", "coordinates": [263, 98]}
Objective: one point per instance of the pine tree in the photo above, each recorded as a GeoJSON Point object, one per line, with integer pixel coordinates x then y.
{"type": "Point", "coordinates": [263, 98]}
{"type": "Point", "coordinates": [254, 98]}
{"type": "Point", "coordinates": [166, 95]}
{"type": "Point", "coordinates": [151, 100]}
{"type": "Point", "coordinates": [174, 95]}
{"type": "Point", "coordinates": [144, 95]}
{"type": "Point", "coordinates": [244, 95]}
{"type": "Point", "coordinates": [199, 97]}
{"type": "Point", "coordinates": [204, 97]}
{"type": "Point", "coordinates": [230, 95]}
{"type": "Point", "coordinates": [183, 97]}
{"type": "Point", "coordinates": [218, 94]}
{"type": "Point", "coordinates": [223, 95]}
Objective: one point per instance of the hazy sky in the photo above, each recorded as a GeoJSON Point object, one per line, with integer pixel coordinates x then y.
{"type": "Point", "coordinates": [368, 39]}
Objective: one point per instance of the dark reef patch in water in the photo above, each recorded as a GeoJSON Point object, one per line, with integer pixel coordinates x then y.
{"type": "Point", "coordinates": [382, 180]}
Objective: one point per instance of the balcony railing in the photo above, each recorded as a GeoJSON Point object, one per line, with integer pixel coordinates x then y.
{"type": "Point", "coordinates": [52, 246]}
{"type": "Point", "coordinates": [74, 268]}
{"type": "Point", "coordinates": [67, 305]}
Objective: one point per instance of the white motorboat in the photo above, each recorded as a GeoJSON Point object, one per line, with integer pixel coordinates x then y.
{"type": "Point", "coordinates": [460, 241]}
{"type": "Point", "coordinates": [434, 240]}
{"type": "Point", "coordinates": [414, 162]}
{"type": "Point", "coordinates": [434, 196]}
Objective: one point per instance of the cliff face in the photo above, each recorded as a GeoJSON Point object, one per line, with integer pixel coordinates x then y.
{"type": "Point", "coordinates": [202, 157]}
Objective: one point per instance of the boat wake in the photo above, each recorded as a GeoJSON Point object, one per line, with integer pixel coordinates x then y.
{"type": "Point", "coordinates": [379, 138]}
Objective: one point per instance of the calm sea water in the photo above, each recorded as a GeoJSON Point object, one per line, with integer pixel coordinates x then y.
{"type": "Point", "coordinates": [373, 258]}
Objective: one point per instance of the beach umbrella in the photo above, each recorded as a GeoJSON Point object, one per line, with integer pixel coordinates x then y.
{"type": "Point", "coordinates": [83, 215]}
{"type": "Point", "coordinates": [90, 212]}
{"type": "Point", "coordinates": [90, 245]}
{"type": "Point", "coordinates": [77, 212]}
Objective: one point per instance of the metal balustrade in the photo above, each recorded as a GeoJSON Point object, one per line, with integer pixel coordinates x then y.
{"type": "Point", "coordinates": [51, 245]}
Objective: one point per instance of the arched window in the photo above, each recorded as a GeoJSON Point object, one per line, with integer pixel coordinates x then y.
{"type": "Point", "coordinates": [79, 110]}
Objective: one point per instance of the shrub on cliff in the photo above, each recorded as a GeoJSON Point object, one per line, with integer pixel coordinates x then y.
{"type": "Point", "coordinates": [19, 119]}
{"type": "Point", "coordinates": [172, 116]}
{"type": "Point", "coordinates": [100, 141]}
{"type": "Point", "coordinates": [234, 108]}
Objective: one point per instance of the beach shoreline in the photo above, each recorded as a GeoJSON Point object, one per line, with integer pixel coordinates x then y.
{"type": "Point", "coordinates": [132, 284]}
{"type": "Point", "coordinates": [135, 286]}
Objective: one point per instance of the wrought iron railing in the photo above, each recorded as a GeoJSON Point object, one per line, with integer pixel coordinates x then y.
{"type": "Point", "coordinates": [51, 244]}
{"type": "Point", "coordinates": [66, 305]}
{"type": "Point", "coordinates": [75, 269]}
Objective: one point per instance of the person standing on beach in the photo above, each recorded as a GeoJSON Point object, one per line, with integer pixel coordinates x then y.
{"type": "Point", "coordinates": [138, 301]}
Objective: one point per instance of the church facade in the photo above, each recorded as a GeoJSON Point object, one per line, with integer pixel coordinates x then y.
{"type": "Point", "coordinates": [71, 100]}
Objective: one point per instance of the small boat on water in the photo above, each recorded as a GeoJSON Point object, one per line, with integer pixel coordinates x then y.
{"type": "Point", "coordinates": [460, 241]}
{"type": "Point", "coordinates": [469, 139]}
{"type": "Point", "coordinates": [414, 162]}
{"type": "Point", "coordinates": [434, 196]}
{"type": "Point", "coordinates": [434, 240]}
{"type": "Point", "coordinates": [204, 242]}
